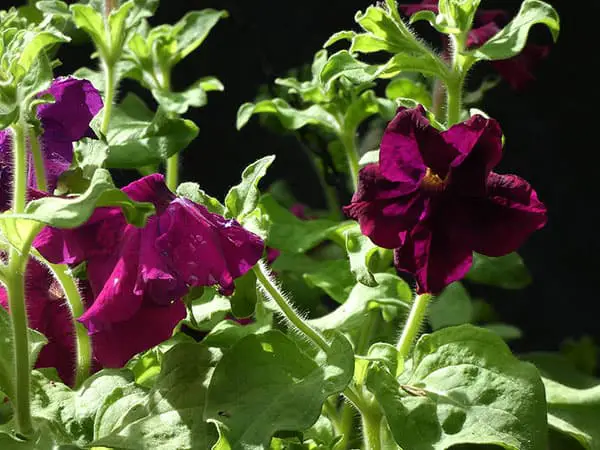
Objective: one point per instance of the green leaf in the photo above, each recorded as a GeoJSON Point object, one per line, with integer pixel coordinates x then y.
{"type": "Point", "coordinates": [290, 118]}
{"type": "Point", "coordinates": [583, 353]}
{"type": "Point", "coordinates": [90, 154]}
{"type": "Point", "coordinates": [505, 331]}
{"type": "Point", "coordinates": [573, 399]}
{"type": "Point", "coordinates": [194, 96]}
{"type": "Point", "coordinates": [508, 272]}
{"type": "Point", "coordinates": [192, 192]}
{"type": "Point", "coordinates": [243, 198]}
{"type": "Point", "coordinates": [227, 333]}
{"type": "Point", "coordinates": [370, 157]}
{"type": "Point", "coordinates": [390, 291]}
{"type": "Point", "coordinates": [117, 23]}
{"type": "Point", "coordinates": [171, 417]}
{"type": "Point", "coordinates": [7, 368]}
{"type": "Point", "coordinates": [343, 64]}
{"type": "Point", "coordinates": [290, 234]}
{"type": "Point", "coordinates": [71, 414]}
{"type": "Point", "coordinates": [89, 20]}
{"type": "Point", "coordinates": [456, 16]}
{"type": "Point", "coordinates": [192, 29]}
{"type": "Point", "coordinates": [509, 41]}
{"type": "Point", "coordinates": [138, 138]}
{"type": "Point", "coordinates": [464, 387]}
{"type": "Point", "coordinates": [364, 107]}
{"type": "Point", "coordinates": [406, 88]}
{"type": "Point", "coordinates": [72, 212]}
{"type": "Point", "coordinates": [452, 307]}
{"type": "Point", "coordinates": [243, 300]}
{"type": "Point", "coordinates": [360, 250]}
{"type": "Point", "coordinates": [35, 43]}
{"type": "Point", "coordinates": [278, 387]}
{"type": "Point", "coordinates": [334, 277]}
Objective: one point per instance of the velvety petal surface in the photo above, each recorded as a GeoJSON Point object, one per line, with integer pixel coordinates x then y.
{"type": "Point", "coordinates": [205, 249]}
{"type": "Point", "coordinates": [382, 209]}
{"type": "Point", "coordinates": [518, 71]}
{"type": "Point", "coordinates": [5, 175]}
{"type": "Point", "coordinates": [68, 118]}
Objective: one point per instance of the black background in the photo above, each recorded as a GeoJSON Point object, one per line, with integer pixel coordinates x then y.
{"type": "Point", "coordinates": [549, 129]}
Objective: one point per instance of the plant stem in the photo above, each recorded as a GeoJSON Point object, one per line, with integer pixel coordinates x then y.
{"type": "Point", "coordinates": [83, 343]}
{"type": "Point", "coordinates": [15, 287]}
{"type": "Point", "coordinates": [109, 94]}
{"type": "Point", "coordinates": [173, 172]}
{"type": "Point", "coordinates": [346, 424]}
{"type": "Point", "coordinates": [413, 325]}
{"type": "Point", "coordinates": [454, 86]}
{"type": "Point", "coordinates": [371, 427]}
{"type": "Point", "coordinates": [272, 291]}
{"type": "Point", "coordinates": [38, 161]}
{"type": "Point", "coordinates": [20, 168]}
{"type": "Point", "coordinates": [351, 151]}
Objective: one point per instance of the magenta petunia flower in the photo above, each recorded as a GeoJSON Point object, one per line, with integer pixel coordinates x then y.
{"type": "Point", "coordinates": [517, 71]}
{"type": "Point", "coordinates": [138, 275]}
{"type": "Point", "coordinates": [434, 198]}
{"type": "Point", "coordinates": [63, 122]}
{"type": "Point", "coordinates": [50, 315]}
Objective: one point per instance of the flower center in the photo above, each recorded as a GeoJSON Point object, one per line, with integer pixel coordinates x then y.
{"type": "Point", "coordinates": [432, 182]}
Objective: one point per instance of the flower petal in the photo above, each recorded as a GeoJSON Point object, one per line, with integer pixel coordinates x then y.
{"type": "Point", "coordinates": [150, 326]}
{"type": "Point", "coordinates": [205, 249]}
{"type": "Point", "coordinates": [381, 208]}
{"type": "Point", "coordinates": [409, 146]}
{"type": "Point", "coordinates": [518, 71]}
{"type": "Point", "coordinates": [429, 5]}
{"type": "Point", "coordinates": [501, 223]}
{"type": "Point", "coordinates": [479, 142]}
{"type": "Point", "coordinates": [68, 118]}
{"type": "Point", "coordinates": [480, 35]}
{"type": "Point", "coordinates": [151, 188]}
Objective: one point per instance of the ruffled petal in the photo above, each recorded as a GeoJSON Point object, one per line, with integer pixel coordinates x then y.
{"type": "Point", "coordinates": [76, 104]}
{"type": "Point", "coordinates": [151, 325]}
{"type": "Point", "coordinates": [480, 35]}
{"type": "Point", "coordinates": [113, 281]}
{"type": "Point", "coordinates": [428, 5]}
{"type": "Point", "coordinates": [381, 208]}
{"type": "Point", "coordinates": [409, 146]}
{"type": "Point", "coordinates": [205, 249]}
{"type": "Point", "coordinates": [152, 189]}
{"type": "Point", "coordinates": [479, 142]}
{"type": "Point", "coordinates": [502, 222]}
{"type": "Point", "coordinates": [435, 255]}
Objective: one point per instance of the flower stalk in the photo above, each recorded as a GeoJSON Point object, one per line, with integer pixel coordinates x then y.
{"type": "Point", "coordinates": [109, 94]}
{"type": "Point", "coordinates": [83, 343]}
{"type": "Point", "coordinates": [38, 161]}
{"type": "Point", "coordinates": [274, 293]}
{"type": "Point", "coordinates": [413, 325]}
{"type": "Point", "coordinates": [351, 151]}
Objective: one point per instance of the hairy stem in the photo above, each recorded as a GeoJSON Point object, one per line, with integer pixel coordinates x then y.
{"type": "Point", "coordinates": [83, 343]}
{"type": "Point", "coordinates": [371, 426]}
{"type": "Point", "coordinates": [273, 292]}
{"type": "Point", "coordinates": [413, 325]}
{"type": "Point", "coordinates": [38, 161]}
{"type": "Point", "coordinates": [455, 84]}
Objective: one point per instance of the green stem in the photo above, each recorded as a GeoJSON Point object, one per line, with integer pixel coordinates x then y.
{"type": "Point", "coordinates": [38, 161]}
{"type": "Point", "coordinates": [413, 325]}
{"type": "Point", "coordinates": [371, 427]}
{"type": "Point", "coordinates": [346, 426]}
{"type": "Point", "coordinates": [20, 168]}
{"type": "Point", "coordinates": [109, 94]}
{"type": "Point", "coordinates": [83, 343]}
{"type": "Point", "coordinates": [362, 346]}
{"type": "Point", "coordinates": [454, 85]}
{"type": "Point", "coordinates": [351, 151]}
{"type": "Point", "coordinates": [173, 172]}
{"type": "Point", "coordinates": [272, 291]}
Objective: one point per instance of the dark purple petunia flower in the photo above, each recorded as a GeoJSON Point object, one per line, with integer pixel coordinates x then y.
{"type": "Point", "coordinates": [138, 275]}
{"type": "Point", "coordinates": [65, 121]}
{"type": "Point", "coordinates": [434, 198]}
{"type": "Point", "coordinates": [517, 71]}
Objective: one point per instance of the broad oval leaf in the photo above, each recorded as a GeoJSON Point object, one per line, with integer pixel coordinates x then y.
{"type": "Point", "coordinates": [277, 387]}
{"type": "Point", "coordinates": [508, 272]}
{"type": "Point", "coordinates": [463, 387]}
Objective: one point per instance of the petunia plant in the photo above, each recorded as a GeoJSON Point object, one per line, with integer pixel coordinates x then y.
{"type": "Point", "coordinates": [154, 315]}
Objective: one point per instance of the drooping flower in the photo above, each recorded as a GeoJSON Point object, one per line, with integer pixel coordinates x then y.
{"type": "Point", "coordinates": [138, 275]}
{"type": "Point", "coordinates": [49, 314]}
{"type": "Point", "coordinates": [517, 71]}
{"type": "Point", "coordinates": [63, 122]}
{"type": "Point", "coordinates": [434, 198]}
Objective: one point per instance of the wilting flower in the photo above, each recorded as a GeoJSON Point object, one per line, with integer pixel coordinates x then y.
{"type": "Point", "coordinates": [434, 198]}
{"type": "Point", "coordinates": [138, 275]}
{"type": "Point", "coordinates": [63, 122]}
{"type": "Point", "coordinates": [49, 314]}
{"type": "Point", "coordinates": [517, 71]}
